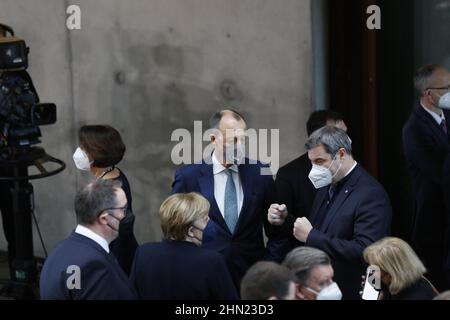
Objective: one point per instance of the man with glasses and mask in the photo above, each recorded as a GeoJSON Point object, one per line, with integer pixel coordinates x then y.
{"type": "Point", "coordinates": [426, 147]}
{"type": "Point", "coordinates": [82, 267]}
{"type": "Point", "coordinates": [351, 209]}
{"type": "Point", "coordinates": [314, 273]}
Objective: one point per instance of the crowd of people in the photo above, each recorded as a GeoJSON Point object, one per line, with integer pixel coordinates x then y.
{"type": "Point", "coordinates": [325, 218]}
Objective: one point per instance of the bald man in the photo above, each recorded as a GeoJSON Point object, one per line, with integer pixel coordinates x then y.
{"type": "Point", "coordinates": [239, 196]}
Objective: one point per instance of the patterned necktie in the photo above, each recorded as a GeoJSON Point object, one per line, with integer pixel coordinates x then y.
{"type": "Point", "coordinates": [231, 207]}
{"type": "Point", "coordinates": [331, 191]}
{"type": "Point", "coordinates": [444, 126]}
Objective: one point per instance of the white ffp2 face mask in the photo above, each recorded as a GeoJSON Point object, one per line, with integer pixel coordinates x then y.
{"type": "Point", "coordinates": [234, 155]}
{"type": "Point", "coordinates": [444, 101]}
{"type": "Point", "coordinates": [332, 292]}
{"type": "Point", "coordinates": [81, 160]}
{"type": "Point", "coordinates": [321, 176]}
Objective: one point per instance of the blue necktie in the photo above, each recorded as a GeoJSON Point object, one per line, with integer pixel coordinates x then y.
{"type": "Point", "coordinates": [230, 203]}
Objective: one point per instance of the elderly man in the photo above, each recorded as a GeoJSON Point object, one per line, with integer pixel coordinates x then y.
{"type": "Point", "coordinates": [427, 147]}
{"type": "Point", "coordinates": [81, 267]}
{"type": "Point", "coordinates": [239, 195]}
{"type": "Point", "coordinates": [314, 273]}
{"type": "Point", "coordinates": [350, 211]}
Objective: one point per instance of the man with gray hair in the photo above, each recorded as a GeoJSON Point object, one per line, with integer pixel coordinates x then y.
{"type": "Point", "coordinates": [350, 211]}
{"type": "Point", "coordinates": [81, 267]}
{"type": "Point", "coordinates": [314, 273]}
{"type": "Point", "coordinates": [426, 147]}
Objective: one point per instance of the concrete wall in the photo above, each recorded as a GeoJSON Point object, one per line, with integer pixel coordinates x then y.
{"type": "Point", "coordinates": [148, 67]}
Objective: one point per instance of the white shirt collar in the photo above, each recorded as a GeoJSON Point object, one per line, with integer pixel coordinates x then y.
{"type": "Point", "coordinates": [93, 236]}
{"type": "Point", "coordinates": [218, 167]}
{"type": "Point", "coordinates": [436, 117]}
{"type": "Point", "coordinates": [351, 169]}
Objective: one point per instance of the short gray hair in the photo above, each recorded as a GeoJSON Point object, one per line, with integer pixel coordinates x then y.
{"type": "Point", "coordinates": [302, 260]}
{"type": "Point", "coordinates": [331, 138]}
{"type": "Point", "coordinates": [422, 77]}
{"type": "Point", "coordinates": [95, 197]}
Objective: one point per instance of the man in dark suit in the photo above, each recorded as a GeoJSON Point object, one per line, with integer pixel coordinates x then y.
{"type": "Point", "coordinates": [426, 146]}
{"type": "Point", "coordinates": [350, 211]}
{"type": "Point", "coordinates": [81, 267]}
{"type": "Point", "coordinates": [239, 194]}
{"type": "Point", "coordinates": [294, 189]}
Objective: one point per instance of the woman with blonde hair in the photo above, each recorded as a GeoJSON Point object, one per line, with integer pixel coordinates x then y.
{"type": "Point", "coordinates": [402, 272]}
{"type": "Point", "coordinates": [178, 268]}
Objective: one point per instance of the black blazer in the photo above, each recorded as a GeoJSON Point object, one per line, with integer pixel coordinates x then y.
{"type": "Point", "coordinates": [295, 190]}
{"type": "Point", "coordinates": [100, 274]}
{"type": "Point", "coordinates": [426, 149]}
{"type": "Point", "coordinates": [420, 290]}
{"type": "Point", "coordinates": [125, 245]}
{"type": "Point", "coordinates": [359, 215]}
{"type": "Point", "coordinates": [246, 245]}
{"type": "Point", "coordinates": [180, 270]}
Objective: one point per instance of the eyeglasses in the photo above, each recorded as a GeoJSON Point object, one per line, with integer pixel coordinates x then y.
{"type": "Point", "coordinates": [124, 209]}
{"type": "Point", "coordinates": [443, 88]}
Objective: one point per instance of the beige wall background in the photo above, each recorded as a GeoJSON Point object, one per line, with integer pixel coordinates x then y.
{"type": "Point", "coordinates": [148, 67]}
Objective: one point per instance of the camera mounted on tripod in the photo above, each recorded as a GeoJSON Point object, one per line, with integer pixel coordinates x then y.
{"type": "Point", "coordinates": [21, 114]}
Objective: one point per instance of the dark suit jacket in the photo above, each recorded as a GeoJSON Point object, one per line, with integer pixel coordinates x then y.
{"type": "Point", "coordinates": [246, 245]}
{"type": "Point", "coordinates": [125, 245]}
{"type": "Point", "coordinates": [101, 276]}
{"type": "Point", "coordinates": [180, 270]}
{"type": "Point", "coordinates": [295, 190]}
{"type": "Point", "coordinates": [426, 149]}
{"type": "Point", "coordinates": [420, 290]}
{"type": "Point", "coordinates": [359, 215]}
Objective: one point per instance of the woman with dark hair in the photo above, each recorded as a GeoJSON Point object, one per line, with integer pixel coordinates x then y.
{"type": "Point", "coordinates": [100, 149]}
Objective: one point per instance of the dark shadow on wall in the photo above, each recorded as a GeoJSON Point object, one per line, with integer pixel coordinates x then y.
{"type": "Point", "coordinates": [370, 82]}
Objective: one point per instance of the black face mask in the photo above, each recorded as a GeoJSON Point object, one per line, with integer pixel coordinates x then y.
{"type": "Point", "coordinates": [120, 221]}
{"type": "Point", "coordinates": [127, 223]}
{"type": "Point", "coordinates": [194, 237]}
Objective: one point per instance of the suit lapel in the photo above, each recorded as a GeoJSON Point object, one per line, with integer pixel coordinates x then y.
{"type": "Point", "coordinates": [318, 201]}
{"type": "Point", "coordinates": [342, 195]}
{"type": "Point", "coordinates": [206, 182]}
{"type": "Point", "coordinates": [432, 124]}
